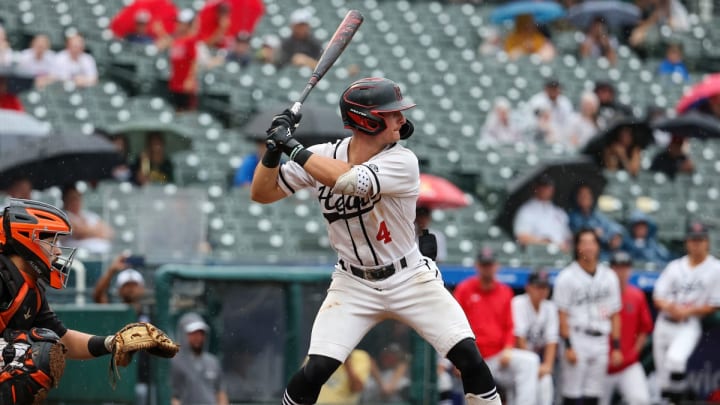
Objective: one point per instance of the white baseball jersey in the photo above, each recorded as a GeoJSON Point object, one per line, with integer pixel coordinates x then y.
{"type": "Point", "coordinates": [372, 228]}
{"type": "Point", "coordinates": [681, 284]}
{"type": "Point", "coordinates": [589, 300]}
{"type": "Point", "coordinates": [537, 327]}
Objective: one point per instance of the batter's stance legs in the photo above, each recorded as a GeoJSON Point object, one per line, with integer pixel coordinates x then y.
{"type": "Point", "coordinates": [304, 387]}
{"type": "Point", "coordinates": [478, 382]}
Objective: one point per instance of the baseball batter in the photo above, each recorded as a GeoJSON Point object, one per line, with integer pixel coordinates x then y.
{"type": "Point", "coordinates": [536, 329]}
{"type": "Point", "coordinates": [587, 295]}
{"type": "Point", "coordinates": [686, 291]}
{"type": "Point", "coordinates": [367, 186]}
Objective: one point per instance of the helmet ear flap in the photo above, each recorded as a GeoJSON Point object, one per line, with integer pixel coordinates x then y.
{"type": "Point", "coordinates": [407, 129]}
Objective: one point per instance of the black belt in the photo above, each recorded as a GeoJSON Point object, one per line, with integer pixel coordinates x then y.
{"type": "Point", "coordinates": [373, 274]}
{"type": "Point", "coordinates": [667, 318]}
{"type": "Point", "coordinates": [590, 332]}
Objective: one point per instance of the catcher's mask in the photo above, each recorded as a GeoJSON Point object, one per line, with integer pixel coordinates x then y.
{"type": "Point", "coordinates": [31, 230]}
{"type": "Point", "coordinates": [362, 103]}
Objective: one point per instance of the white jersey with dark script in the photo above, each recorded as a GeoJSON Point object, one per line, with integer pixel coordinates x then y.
{"type": "Point", "coordinates": [681, 284]}
{"type": "Point", "coordinates": [371, 228]}
{"type": "Point", "coordinates": [538, 327]}
{"type": "Point", "coordinates": [590, 300]}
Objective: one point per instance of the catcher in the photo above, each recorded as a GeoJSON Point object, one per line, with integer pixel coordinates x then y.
{"type": "Point", "coordinates": [34, 341]}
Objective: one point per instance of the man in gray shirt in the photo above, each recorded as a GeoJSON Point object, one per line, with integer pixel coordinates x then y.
{"type": "Point", "coordinates": [196, 374]}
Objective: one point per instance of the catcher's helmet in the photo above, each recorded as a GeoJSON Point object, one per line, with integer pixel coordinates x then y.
{"type": "Point", "coordinates": [31, 229]}
{"type": "Point", "coordinates": [362, 102]}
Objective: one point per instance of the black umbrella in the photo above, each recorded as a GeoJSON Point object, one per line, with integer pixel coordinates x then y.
{"type": "Point", "coordinates": [691, 125]}
{"type": "Point", "coordinates": [641, 132]}
{"type": "Point", "coordinates": [177, 137]}
{"type": "Point", "coordinates": [567, 175]}
{"type": "Point", "coordinates": [615, 13]}
{"type": "Point", "coordinates": [16, 82]}
{"type": "Point", "coordinates": [318, 125]}
{"type": "Point", "coordinates": [58, 159]}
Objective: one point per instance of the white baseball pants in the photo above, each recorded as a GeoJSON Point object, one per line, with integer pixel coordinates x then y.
{"type": "Point", "coordinates": [585, 378]}
{"type": "Point", "coordinates": [521, 375]}
{"type": "Point", "coordinates": [673, 343]}
{"type": "Point", "coordinates": [632, 384]}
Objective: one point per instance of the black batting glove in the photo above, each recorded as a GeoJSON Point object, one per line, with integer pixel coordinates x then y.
{"type": "Point", "coordinates": [286, 119]}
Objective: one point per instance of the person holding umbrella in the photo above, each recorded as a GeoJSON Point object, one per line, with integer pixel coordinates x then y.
{"type": "Point", "coordinates": [526, 39]}
{"type": "Point", "coordinates": [599, 42]}
{"type": "Point", "coordinates": [539, 221]}
{"type": "Point", "coordinates": [622, 153]}
{"type": "Point", "coordinates": [673, 159]}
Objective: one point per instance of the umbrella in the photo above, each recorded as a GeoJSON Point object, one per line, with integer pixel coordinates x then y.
{"type": "Point", "coordinates": [641, 131]}
{"type": "Point", "coordinates": [691, 125]}
{"type": "Point", "coordinates": [16, 123]}
{"type": "Point", "coordinates": [318, 125]}
{"type": "Point", "coordinates": [699, 93]}
{"type": "Point", "coordinates": [177, 138]}
{"type": "Point", "coordinates": [16, 82]}
{"type": "Point", "coordinates": [58, 159]}
{"type": "Point", "coordinates": [615, 13]}
{"type": "Point", "coordinates": [542, 11]}
{"type": "Point", "coordinates": [439, 193]}
{"type": "Point", "coordinates": [162, 11]}
{"type": "Point", "coordinates": [567, 176]}
{"type": "Point", "coordinates": [244, 16]}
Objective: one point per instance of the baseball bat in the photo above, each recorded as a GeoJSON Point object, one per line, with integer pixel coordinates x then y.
{"type": "Point", "coordinates": [339, 41]}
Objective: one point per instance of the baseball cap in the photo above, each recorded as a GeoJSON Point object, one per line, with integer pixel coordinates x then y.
{"type": "Point", "coordinates": [195, 326]}
{"type": "Point", "coordinates": [621, 258]}
{"type": "Point", "coordinates": [552, 83]}
{"type": "Point", "coordinates": [185, 16]}
{"type": "Point", "coordinates": [540, 278]}
{"type": "Point", "coordinates": [271, 40]}
{"type": "Point", "coordinates": [697, 230]}
{"type": "Point", "coordinates": [129, 276]}
{"type": "Point", "coordinates": [300, 16]}
{"type": "Point", "coordinates": [486, 256]}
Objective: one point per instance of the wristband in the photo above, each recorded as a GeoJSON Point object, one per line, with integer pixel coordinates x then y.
{"type": "Point", "coordinates": [568, 345]}
{"type": "Point", "coordinates": [616, 344]}
{"type": "Point", "coordinates": [300, 155]}
{"type": "Point", "coordinates": [271, 158]}
{"type": "Point", "coordinates": [99, 345]}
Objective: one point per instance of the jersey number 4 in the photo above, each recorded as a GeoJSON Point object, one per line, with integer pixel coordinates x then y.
{"type": "Point", "coordinates": [383, 233]}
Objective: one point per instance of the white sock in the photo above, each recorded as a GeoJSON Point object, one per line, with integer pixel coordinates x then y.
{"type": "Point", "coordinates": [489, 398]}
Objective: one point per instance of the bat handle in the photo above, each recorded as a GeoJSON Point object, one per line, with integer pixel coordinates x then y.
{"type": "Point", "coordinates": [295, 109]}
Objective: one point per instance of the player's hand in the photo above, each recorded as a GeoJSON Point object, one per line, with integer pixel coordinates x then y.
{"type": "Point", "coordinates": [544, 369]}
{"type": "Point", "coordinates": [505, 358]}
{"type": "Point", "coordinates": [570, 355]}
{"type": "Point", "coordinates": [280, 135]}
{"type": "Point", "coordinates": [616, 357]}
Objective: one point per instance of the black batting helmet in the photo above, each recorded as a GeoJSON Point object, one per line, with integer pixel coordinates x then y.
{"type": "Point", "coordinates": [362, 102]}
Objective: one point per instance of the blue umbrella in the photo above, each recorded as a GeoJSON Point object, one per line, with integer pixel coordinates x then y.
{"type": "Point", "coordinates": [542, 11]}
{"type": "Point", "coordinates": [615, 13]}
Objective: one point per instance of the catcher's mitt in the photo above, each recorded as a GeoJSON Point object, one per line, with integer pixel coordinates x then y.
{"type": "Point", "coordinates": [141, 336]}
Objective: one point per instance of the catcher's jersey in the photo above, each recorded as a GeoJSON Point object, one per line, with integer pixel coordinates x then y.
{"type": "Point", "coordinates": [589, 300]}
{"type": "Point", "coordinates": [680, 284]}
{"type": "Point", "coordinates": [538, 328]}
{"type": "Point", "coordinates": [372, 231]}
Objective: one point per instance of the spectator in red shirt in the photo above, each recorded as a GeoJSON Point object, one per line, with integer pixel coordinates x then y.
{"type": "Point", "coordinates": [8, 101]}
{"type": "Point", "coordinates": [183, 82]}
{"type": "Point", "coordinates": [487, 305]}
{"type": "Point", "coordinates": [636, 324]}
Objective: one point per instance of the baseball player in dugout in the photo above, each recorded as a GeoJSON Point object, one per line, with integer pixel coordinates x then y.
{"type": "Point", "coordinates": [34, 341]}
{"type": "Point", "coordinates": [636, 322]}
{"type": "Point", "coordinates": [587, 294]}
{"type": "Point", "coordinates": [367, 186]}
{"type": "Point", "coordinates": [488, 305]}
{"type": "Point", "coordinates": [686, 291]}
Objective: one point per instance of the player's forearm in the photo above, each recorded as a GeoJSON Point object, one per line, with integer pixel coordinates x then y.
{"type": "Point", "coordinates": [521, 343]}
{"type": "Point", "coordinates": [615, 326]}
{"type": "Point", "coordinates": [662, 305]}
{"type": "Point", "coordinates": [264, 187]}
{"type": "Point", "coordinates": [564, 325]}
{"type": "Point", "coordinates": [549, 355]}
{"type": "Point", "coordinates": [222, 398]}
{"type": "Point", "coordinates": [76, 344]}
{"type": "Point", "coordinates": [701, 310]}
{"type": "Point", "coordinates": [326, 170]}
{"type": "Point", "coordinates": [640, 342]}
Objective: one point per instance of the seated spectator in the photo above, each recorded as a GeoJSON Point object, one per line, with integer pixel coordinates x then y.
{"type": "Point", "coordinates": [390, 377]}
{"type": "Point", "coordinates": [347, 382]}
{"type": "Point", "coordinates": [673, 62]}
{"type": "Point", "coordinates": [643, 245]}
{"type": "Point", "coordinates": [129, 283]}
{"type": "Point", "coordinates": [218, 38]}
{"type": "Point", "coordinates": [141, 34]}
{"type": "Point", "coordinates": [599, 42]}
{"type": "Point", "coordinates": [617, 240]}
{"type": "Point", "coordinates": [300, 48]}
{"type": "Point", "coordinates": [559, 105]}
{"type": "Point", "coordinates": [122, 171]}
{"type": "Point", "coordinates": [542, 127]}
{"type": "Point", "coordinates": [539, 221]}
{"type": "Point", "coordinates": [498, 127]}
{"type": "Point", "coordinates": [622, 153]}
{"type": "Point", "coordinates": [526, 39]}
{"type": "Point", "coordinates": [674, 159]}
{"type": "Point", "coordinates": [670, 13]}
{"type": "Point", "coordinates": [585, 214]}
{"type": "Point", "coordinates": [90, 232]}
{"type": "Point", "coordinates": [240, 52]}
{"type": "Point", "coordinates": [268, 52]}
{"type": "Point", "coordinates": [9, 101]}
{"type": "Point", "coordinates": [583, 124]}
{"type": "Point", "coordinates": [609, 108]}
{"type": "Point", "coordinates": [153, 165]}
{"type": "Point", "coordinates": [6, 52]}
{"type": "Point", "coordinates": [244, 173]}
{"type": "Point", "coordinates": [423, 218]}
{"type": "Point", "coordinates": [20, 188]}
{"type": "Point", "coordinates": [183, 83]}
{"type": "Point", "coordinates": [38, 60]}
{"type": "Point", "coordinates": [73, 64]}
